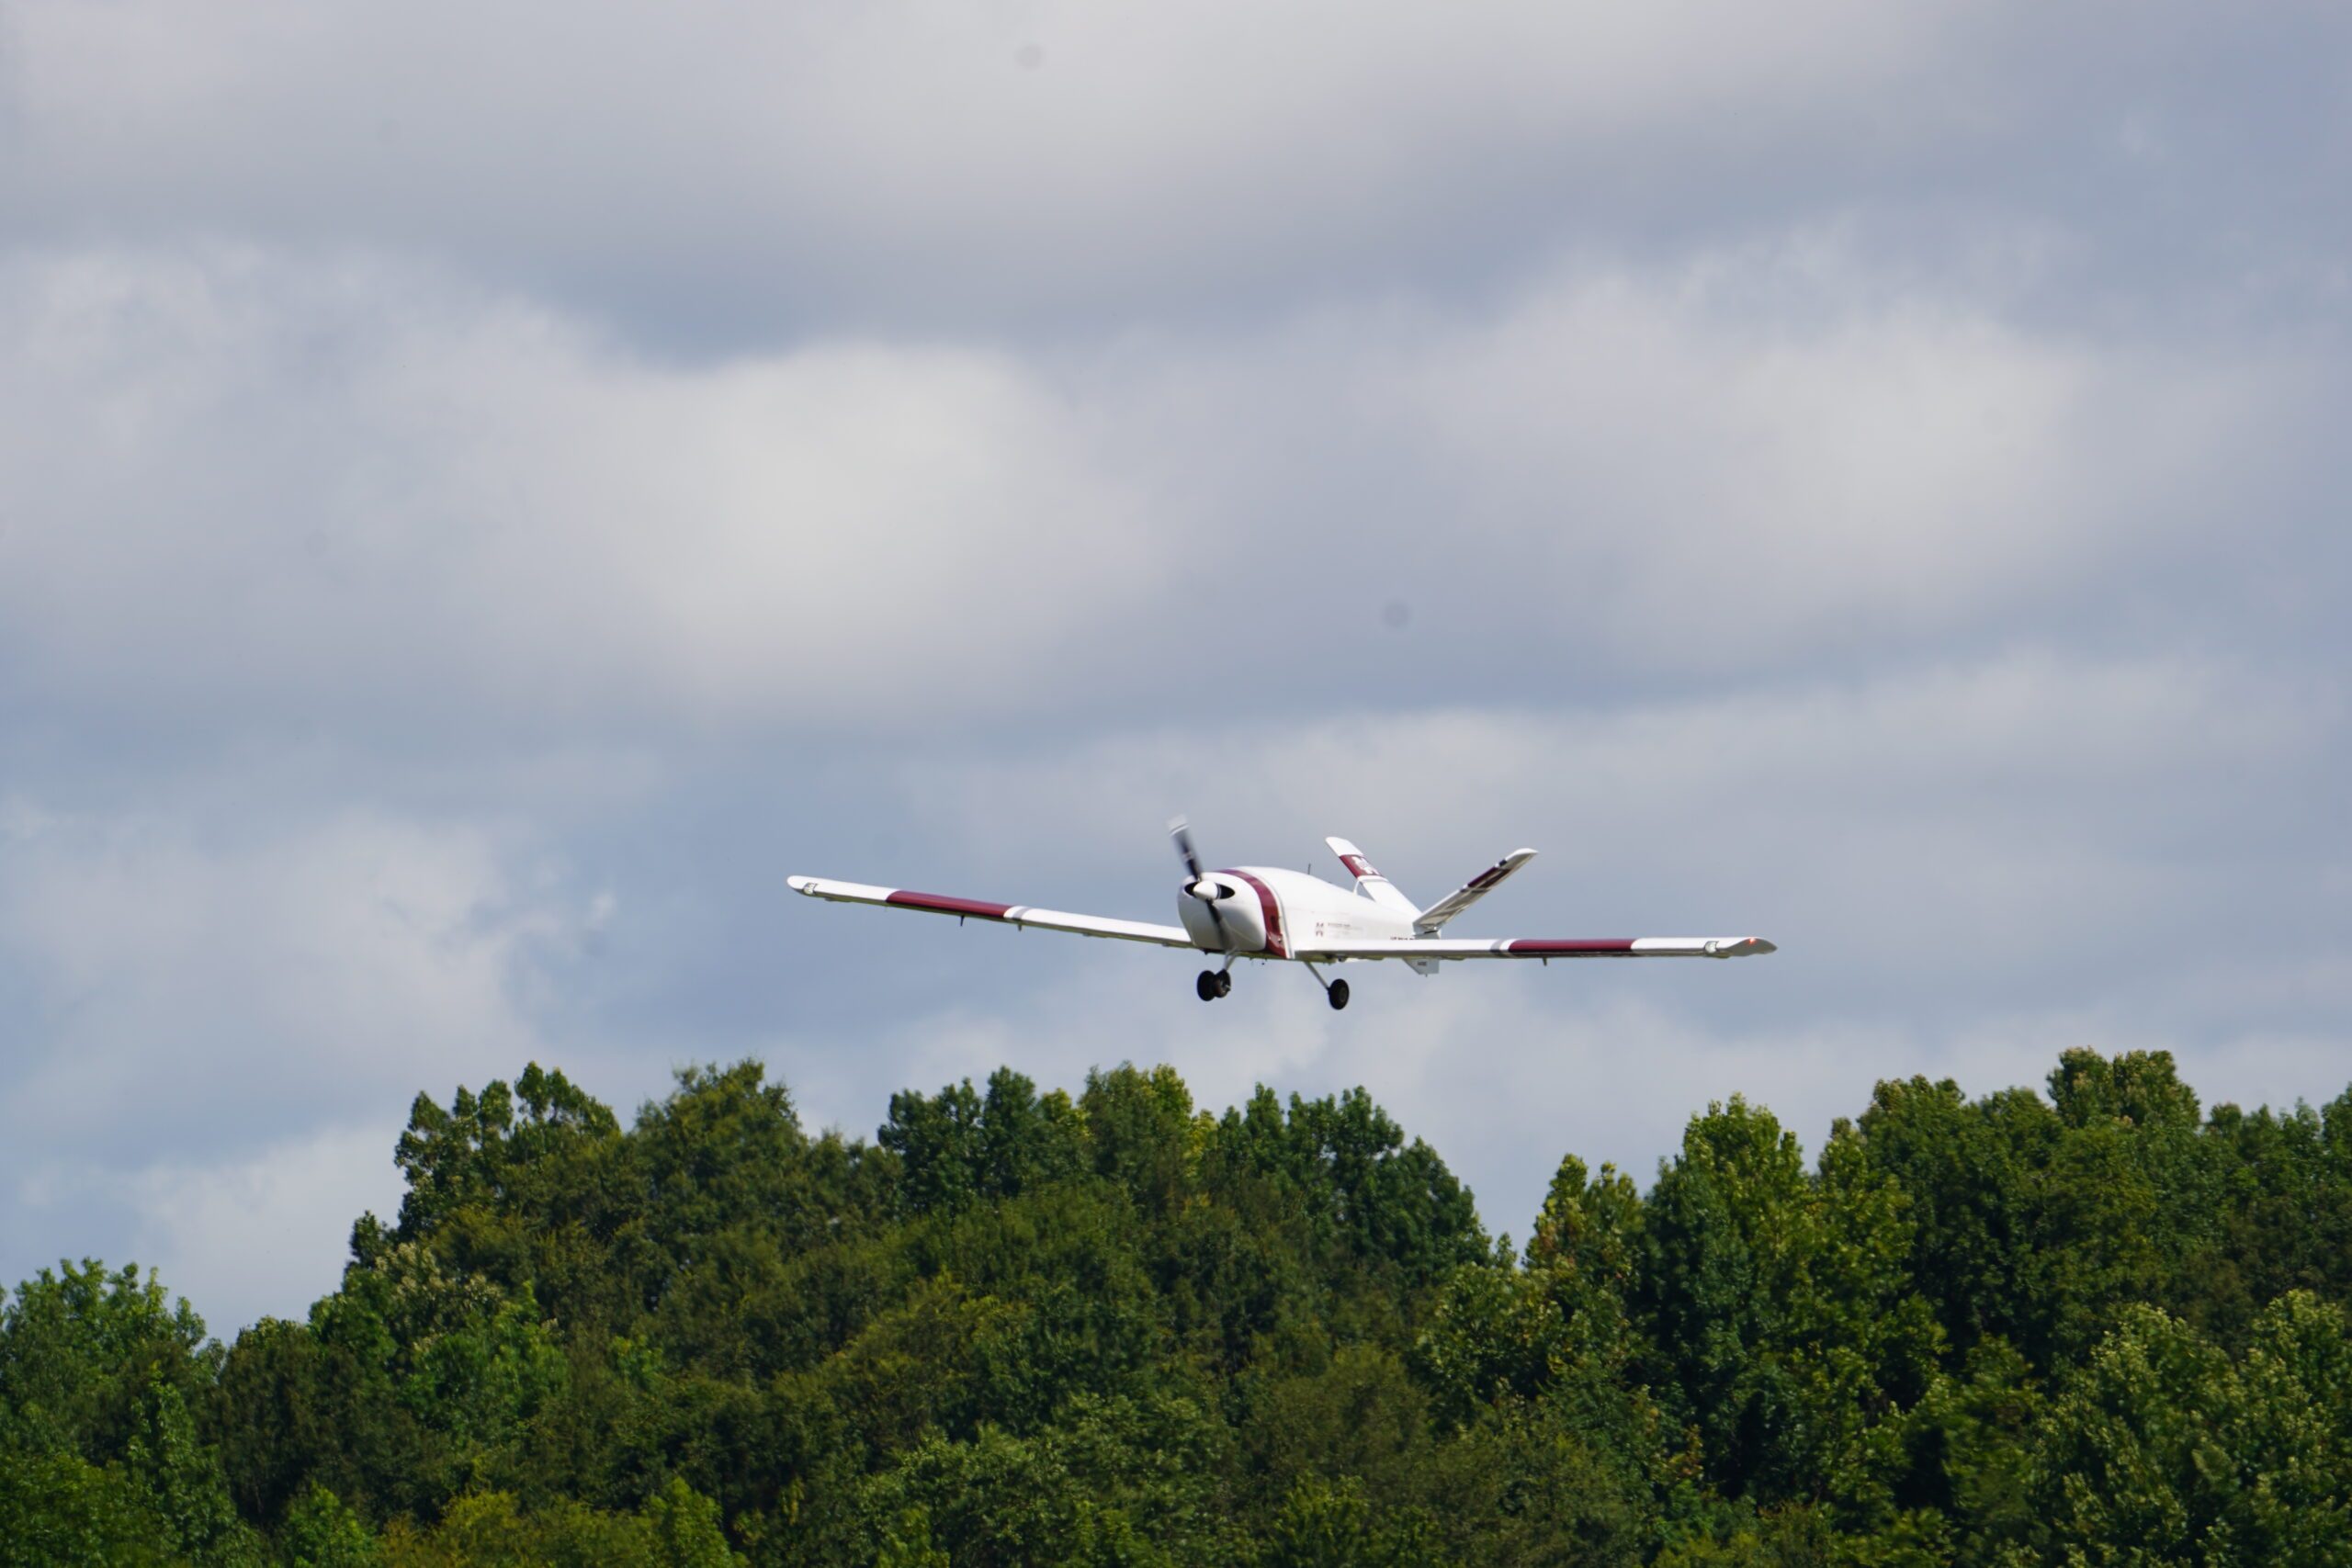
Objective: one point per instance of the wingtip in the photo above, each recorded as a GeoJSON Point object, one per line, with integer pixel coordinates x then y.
{"type": "Point", "coordinates": [1738, 947]}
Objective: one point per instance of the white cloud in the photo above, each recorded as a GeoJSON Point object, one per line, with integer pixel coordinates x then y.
{"type": "Point", "coordinates": [1780, 455]}
{"type": "Point", "coordinates": [908, 155]}
{"type": "Point", "coordinates": [265, 1233]}
{"type": "Point", "coordinates": [235, 479]}
{"type": "Point", "coordinates": [1705, 489]}
{"type": "Point", "coordinates": [189, 993]}
{"type": "Point", "coordinates": [1978, 749]}
{"type": "Point", "coordinates": [358, 492]}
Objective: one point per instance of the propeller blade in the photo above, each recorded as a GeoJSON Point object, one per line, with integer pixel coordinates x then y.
{"type": "Point", "coordinates": [1183, 834]}
{"type": "Point", "coordinates": [1184, 851]}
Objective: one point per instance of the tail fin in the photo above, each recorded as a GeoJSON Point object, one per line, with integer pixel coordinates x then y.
{"type": "Point", "coordinates": [1368, 882]}
{"type": "Point", "coordinates": [1428, 920]}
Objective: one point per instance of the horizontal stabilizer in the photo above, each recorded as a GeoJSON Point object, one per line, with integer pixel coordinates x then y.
{"type": "Point", "coordinates": [1432, 919]}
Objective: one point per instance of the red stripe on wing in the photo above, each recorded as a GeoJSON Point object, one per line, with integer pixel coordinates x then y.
{"type": "Point", "coordinates": [939, 903]}
{"type": "Point", "coordinates": [1540, 945]}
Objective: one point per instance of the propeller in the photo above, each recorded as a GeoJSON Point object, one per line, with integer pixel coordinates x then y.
{"type": "Point", "coordinates": [1196, 881]}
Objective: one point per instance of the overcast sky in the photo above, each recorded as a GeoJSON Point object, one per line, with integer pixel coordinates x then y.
{"type": "Point", "coordinates": [488, 491]}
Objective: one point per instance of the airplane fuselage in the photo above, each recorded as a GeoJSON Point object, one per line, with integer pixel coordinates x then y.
{"type": "Point", "coordinates": [1274, 912]}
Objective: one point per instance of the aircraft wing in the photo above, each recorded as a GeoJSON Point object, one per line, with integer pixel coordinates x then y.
{"type": "Point", "coordinates": [1445, 947]}
{"type": "Point", "coordinates": [980, 909]}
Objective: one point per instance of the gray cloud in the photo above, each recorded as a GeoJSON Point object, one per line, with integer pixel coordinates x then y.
{"type": "Point", "coordinates": [902, 162]}
{"type": "Point", "coordinates": [340, 483]}
{"type": "Point", "coordinates": [206, 992]}
{"type": "Point", "coordinates": [357, 488]}
{"type": "Point", "coordinates": [703, 169]}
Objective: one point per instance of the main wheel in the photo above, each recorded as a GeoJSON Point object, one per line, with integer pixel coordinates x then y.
{"type": "Point", "coordinates": [1224, 982]}
{"type": "Point", "coordinates": [1339, 995]}
{"type": "Point", "coordinates": [1207, 986]}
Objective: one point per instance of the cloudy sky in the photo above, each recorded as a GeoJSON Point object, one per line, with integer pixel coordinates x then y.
{"type": "Point", "coordinates": [488, 491]}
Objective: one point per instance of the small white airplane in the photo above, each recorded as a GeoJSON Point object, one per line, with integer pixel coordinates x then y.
{"type": "Point", "coordinates": [1267, 912]}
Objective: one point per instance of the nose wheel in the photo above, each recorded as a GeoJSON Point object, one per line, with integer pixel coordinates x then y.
{"type": "Point", "coordinates": [1213, 984]}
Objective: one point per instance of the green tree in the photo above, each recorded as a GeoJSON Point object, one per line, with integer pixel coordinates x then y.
{"type": "Point", "coordinates": [2162, 1449]}
{"type": "Point", "coordinates": [1972, 1172]}
{"type": "Point", "coordinates": [321, 1531]}
{"type": "Point", "coordinates": [56, 1510]}
{"type": "Point", "coordinates": [80, 1350]}
{"type": "Point", "coordinates": [2280, 1196]}
{"type": "Point", "coordinates": [1332, 1524]}
{"type": "Point", "coordinates": [2093, 1327]}
{"type": "Point", "coordinates": [958, 1147]}
{"type": "Point", "coordinates": [999, 1501]}
{"type": "Point", "coordinates": [1781, 1308]}
{"type": "Point", "coordinates": [180, 1479]}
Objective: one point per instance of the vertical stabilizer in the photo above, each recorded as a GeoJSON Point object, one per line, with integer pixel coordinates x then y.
{"type": "Point", "coordinates": [1368, 882]}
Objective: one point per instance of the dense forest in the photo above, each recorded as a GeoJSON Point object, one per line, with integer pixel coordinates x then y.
{"type": "Point", "coordinates": [2101, 1325]}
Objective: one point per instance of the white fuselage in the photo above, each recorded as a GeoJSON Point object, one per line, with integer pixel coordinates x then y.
{"type": "Point", "coordinates": [1275, 913]}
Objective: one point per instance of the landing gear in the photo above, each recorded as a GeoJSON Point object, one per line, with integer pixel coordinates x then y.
{"type": "Point", "coordinates": [1213, 984]}
{"type": "Point", "coordinates": [1334, 991]}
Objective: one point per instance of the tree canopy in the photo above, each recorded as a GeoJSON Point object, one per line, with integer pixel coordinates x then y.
{"type": "Point", "coordinates": [2097, 1325]}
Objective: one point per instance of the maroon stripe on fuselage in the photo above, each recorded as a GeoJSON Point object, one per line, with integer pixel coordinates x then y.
{"type": "Point", "coordinates": [1267, 906]}
{"type": "Point", "coordinates": [940, 904]}
{"type": "Point", "coordinates": [1622, 946]}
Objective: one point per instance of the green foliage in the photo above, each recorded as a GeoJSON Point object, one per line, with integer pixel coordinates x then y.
{"type": "Point", "coordinates": [320, 1531]}
{"type": "Point", "coordinates": [958, 1147]}
{"type": "Point", "coordinates": [2163, 1449]}
{"type": "Point", "coordinates": [2102, 1326]}
{"type": "Point", "coordinates": [80, 1351]}
{"type": "Point", "coordinates": [100, 1459]}
{"type": "Point", "coordinates": [1779, 1308]}
{"type": "Point", "coordinates": [677, 1529]}
{"type": "Point", "coordinates": [1001, 1500]}
{"type": "Point", "coordinates": [1964, 1453]}
{"type": "Point", "coordinates": [178, 1479]}
{"type": "Point", "coordinates": [56, 1510]}
{"type": "Point", "coordinates": [1325, 1524]}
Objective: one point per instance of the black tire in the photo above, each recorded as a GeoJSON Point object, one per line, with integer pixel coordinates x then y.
{"type": "Point", "coordinates": [1339, 994]}
{"type": "Point", "coordinates": [1207, 987]}
{"type": "Point", "coordinates": [1225, 982]}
